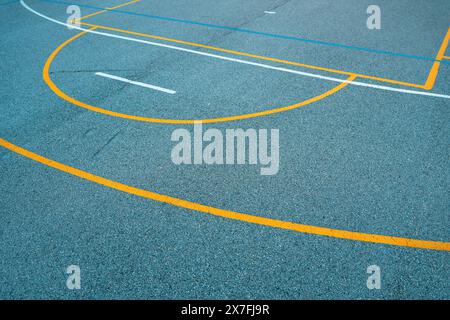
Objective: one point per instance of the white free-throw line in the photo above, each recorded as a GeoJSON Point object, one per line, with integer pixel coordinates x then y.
{"type": "Point", "coordinates": [266, 66]}
{"type": "Point", "coordinates": [137, 83]}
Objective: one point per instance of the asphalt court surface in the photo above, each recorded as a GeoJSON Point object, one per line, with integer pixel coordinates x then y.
{"type": "Point", "coordinates": [353, 158]}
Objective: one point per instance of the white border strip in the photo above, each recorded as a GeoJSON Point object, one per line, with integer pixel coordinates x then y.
{"type": "Point", "coordinates": [137, 83]}
{"type": "Point", "coordinates": [266, 66]}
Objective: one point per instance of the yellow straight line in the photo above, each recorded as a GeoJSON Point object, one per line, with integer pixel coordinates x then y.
{"type": "Point", "coordinates": [64, 96]}
{"type": "Point", "coordinates": [107, 9]}
{"type": "Point", "coordinates": [445, 57]}
{"type": "Point", "coordinates": [303, 228]}
{"type": "Point", "coordinates": [239, 53]}
{"type": "Point", "coordinates": [429, 84]}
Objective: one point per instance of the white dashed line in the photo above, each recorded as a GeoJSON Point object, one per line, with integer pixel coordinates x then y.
{"type": "Point", "coordinates": [136, 83]}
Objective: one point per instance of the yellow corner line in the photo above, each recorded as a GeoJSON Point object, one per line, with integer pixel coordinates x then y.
{"type": "Point", "coordinates": [106, 10]}
{"type": "Point", "coordinates": [64, 96]}
{"type": "Point", "coordinates": [244, 54]}
{"type": "Point", "coordinates": [429, 84]}
{"type": "Point", "coordinates": [292, 226]}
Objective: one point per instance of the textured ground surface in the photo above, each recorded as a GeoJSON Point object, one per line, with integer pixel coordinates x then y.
{"type": "Point", "coordinates": [362, 159]}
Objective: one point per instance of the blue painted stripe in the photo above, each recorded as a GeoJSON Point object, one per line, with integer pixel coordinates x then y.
{"type": "Point", "coordinates": [273, 35]}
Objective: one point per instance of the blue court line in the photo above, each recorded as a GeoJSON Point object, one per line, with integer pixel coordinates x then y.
{"type": "Point", "coordinates": [273, 35]}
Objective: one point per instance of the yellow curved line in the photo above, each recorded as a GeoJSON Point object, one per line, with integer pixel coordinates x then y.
{"type": "Point", "coordinates": [329, 232]}
{"type": "Point", "coordinates": [64, 96]}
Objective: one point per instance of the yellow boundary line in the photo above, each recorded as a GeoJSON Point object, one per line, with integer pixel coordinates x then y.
{"type": "Point", "coordinates": [250, 55]}
{"type": "Point", "coordinates": [64, 96]}
{"type": "Point", "coordinates": [106, 10]}
{"type": "Point", "coordinates": [429, 84]}
{"type": "Point", "coordinates": [292, 226]}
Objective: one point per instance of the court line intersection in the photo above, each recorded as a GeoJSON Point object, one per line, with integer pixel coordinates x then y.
{"type": "Point", "coordinates": [309, 229]}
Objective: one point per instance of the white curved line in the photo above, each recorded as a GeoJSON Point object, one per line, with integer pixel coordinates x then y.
{"type": "Point", "coordinates": [266, 66]}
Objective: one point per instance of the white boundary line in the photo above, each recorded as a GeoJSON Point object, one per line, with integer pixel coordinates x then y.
{"type": "Point", "coordinates": [266, 66]}
{"type": "Point", "coordinates": [137, 83]}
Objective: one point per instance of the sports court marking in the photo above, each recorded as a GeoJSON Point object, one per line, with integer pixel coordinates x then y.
{"type": "Point", "coordinates": [228, 214]}
{"type": "Point", "coordinates": [64, 96]}
{"type": "Point", "coordinates": [237, 60]}
{"type": "Point", "coordinates": [427, 86]}
{"type": "Point", "coordinates": [72, 100]}
{"type": "Point", "coordinates": [363, 84]}
{"type": "Point", "coordinates": [106, 10]}
{"type": "Point", "coordinates": [259, 57]}
{"type": "Point", "coordinates": [279, 36]}
{"type": "Point", "coordinates": [335, 233]}
{"type": "Point", "coordinates": [137, 83]}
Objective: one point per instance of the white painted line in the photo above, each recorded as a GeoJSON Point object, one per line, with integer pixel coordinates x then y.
{"type": "Point", "coordinates": [137, 83]}
{"type": "Point", "coordinates": [270, 12]}
{"type": "Point", "coordinates": [266, 66]}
